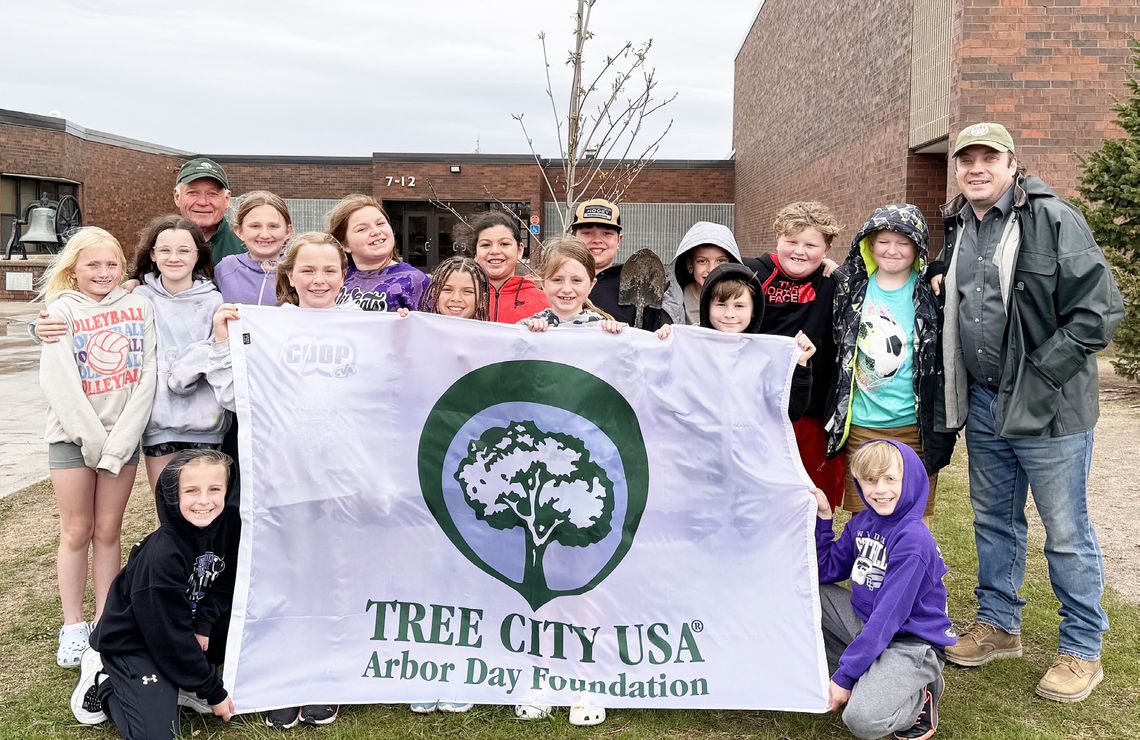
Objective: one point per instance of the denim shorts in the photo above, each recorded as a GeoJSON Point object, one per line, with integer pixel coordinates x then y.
{"type": "Point", "coordinates": [67, 456]}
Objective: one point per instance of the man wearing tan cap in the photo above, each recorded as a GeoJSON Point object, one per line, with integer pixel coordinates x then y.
{"type": "Point", "coordinates": [1030, 299]}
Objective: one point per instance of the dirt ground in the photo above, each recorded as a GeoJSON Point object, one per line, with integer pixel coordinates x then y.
{"type": "Point", "coordinates": [1115, 480]}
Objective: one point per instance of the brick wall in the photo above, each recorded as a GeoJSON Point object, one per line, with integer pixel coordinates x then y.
{"type": "Point", "coordinates": [821, 115]}
{"type": "Point", "coordinates": [826, 115]}
{"type": "Point", "coordinates": [34, 266]}
{"type": "Point", "coordinates": [1048, 71]}
{"type": "Point", "coordinates": [121, 188]}
{"type": "Point", "coordinates": [125, 183]}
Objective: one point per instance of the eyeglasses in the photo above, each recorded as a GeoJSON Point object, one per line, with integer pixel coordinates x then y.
{"type": "Point", "coordinates": [165, 253]}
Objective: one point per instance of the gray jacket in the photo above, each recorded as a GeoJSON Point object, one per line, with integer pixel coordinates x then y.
{"type": "Point", "coordinates": [184, 406]}
{"type": "Point", "coordinates": [1062, 307]}
{"type": "Point", "coordinates": [702, 233]}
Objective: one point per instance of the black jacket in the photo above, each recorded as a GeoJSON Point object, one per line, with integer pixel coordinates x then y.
{"type": "Point", "coordinates": [851, 281]}
{"type": "Point", "coordinates": [1063, 306]}
{"type": "Point", "coordinates": [605, 296]}
{"type": "Point", "coordinates": [157, 602]}
{"type": "Point", "coordinates": [801, 376]}
{"type": "Point", "coordinates": [793, 305]}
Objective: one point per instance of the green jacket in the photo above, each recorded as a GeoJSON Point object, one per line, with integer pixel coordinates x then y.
{"type": "Point", "coordinates": [225, 242]}
{"type": "Point", "coordinates": [1062, 307]}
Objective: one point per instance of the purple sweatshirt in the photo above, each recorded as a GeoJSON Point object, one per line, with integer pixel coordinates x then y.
{"type": "Point", "coordinates": [241, 279]}
{"type": "Point", "coordinates": [895, 570]}
{"type": "Point", "coordinates": [398, 285]}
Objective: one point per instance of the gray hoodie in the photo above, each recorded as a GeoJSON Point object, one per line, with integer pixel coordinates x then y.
{"type": "Point", "coordinates": [99, 378]}
{"type": "Point", "coordinates": [702, 233]}
{"type": "Point", "coordinates": [185, 409]}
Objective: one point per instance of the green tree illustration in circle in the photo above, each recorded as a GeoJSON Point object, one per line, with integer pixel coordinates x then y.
{"type": "Point", "coordinates": [520, 476]}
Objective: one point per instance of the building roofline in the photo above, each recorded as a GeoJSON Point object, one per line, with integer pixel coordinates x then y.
{"type": "Point", "coordinates": [747, 33]}
{"type": "Point", "coordinates": [51, 123]}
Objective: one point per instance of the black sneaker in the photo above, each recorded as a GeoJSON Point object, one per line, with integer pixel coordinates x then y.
{"type": "Point", "coordinates": [285, 718]}
{"type": "Point", "coordinates": [319, 714]}
{"type": "Point", "coordinates": [927, 721]}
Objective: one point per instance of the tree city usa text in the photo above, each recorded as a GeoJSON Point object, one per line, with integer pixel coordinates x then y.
{"type": "Point", "coordinates": [438, 624]}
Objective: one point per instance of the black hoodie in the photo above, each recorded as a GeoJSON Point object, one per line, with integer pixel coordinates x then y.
{"type": "Point", "coordinates": [153, 604]}
{"type": "Point", "coordinates": [801, 378]}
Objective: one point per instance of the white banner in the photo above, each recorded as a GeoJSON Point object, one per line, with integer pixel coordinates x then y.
{"type": "Point", "coordinates": [445, 509]}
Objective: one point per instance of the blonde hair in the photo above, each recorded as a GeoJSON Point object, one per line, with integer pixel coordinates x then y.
{"type": "Point", "coordinates": [286, 293]}
{"type": "Point", "coordinates": [874, 460]}
{"type": "Point", "coordinates": [60, 276]}
{"type": "Point", "coordinates": [795, 217]}
{"type": "Point", "coordinates": [256, 198]}
{"type": "Point", "coordinates": [342, 211]}
{"type": "Point", "coordinates": [557, 251]}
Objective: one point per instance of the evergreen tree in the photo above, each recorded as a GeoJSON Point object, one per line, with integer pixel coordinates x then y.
{"type": "Point", "coordinates": [1110, 199]}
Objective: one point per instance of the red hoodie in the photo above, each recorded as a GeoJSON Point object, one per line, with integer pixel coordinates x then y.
{"type": "Point", "coordinates": [518, 299]}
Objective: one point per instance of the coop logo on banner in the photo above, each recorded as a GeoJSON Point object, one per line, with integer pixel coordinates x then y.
{"type": "Point", "coordinates": [528, 479]}
{"type": "Point", "coordinates": [330, 356]}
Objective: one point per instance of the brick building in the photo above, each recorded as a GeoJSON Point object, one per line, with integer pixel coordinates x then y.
{"type": "Point", "coordinates": [121, 183]}
{"type": "Point", "coordinates": [855, 103]}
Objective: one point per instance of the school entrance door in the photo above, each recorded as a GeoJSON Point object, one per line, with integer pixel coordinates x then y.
{"type": "Point", "coordinates": [427, 234]}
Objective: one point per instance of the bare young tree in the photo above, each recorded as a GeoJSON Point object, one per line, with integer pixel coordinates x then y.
{"type": "Point", "coordinates": [603, 143]}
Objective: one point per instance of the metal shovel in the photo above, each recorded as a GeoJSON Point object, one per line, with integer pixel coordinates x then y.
{"type": "Point", "coordinates": [641, 284]}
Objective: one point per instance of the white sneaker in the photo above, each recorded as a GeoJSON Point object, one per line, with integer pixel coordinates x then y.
{"type": "Point", "coordinates": [72, 644]}
{"type": "Point", "coordinates": [192, 702]}
{"type": "Point", "coordinates": [587, 716]}
{"type": "Point", "coordinates": [424, 707]}
{"type": "Point", "coordinates": [85, 702]}
{"type": "Point", "coordinates": [453, 707]}
{"type": "Point", "coordinates": [532, 711]}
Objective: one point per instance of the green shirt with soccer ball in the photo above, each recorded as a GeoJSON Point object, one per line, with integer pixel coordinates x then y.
{"type": "Point", "coordinates": [883, 396]}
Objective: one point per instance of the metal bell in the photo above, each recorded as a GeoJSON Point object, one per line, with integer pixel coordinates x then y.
{"type": "Point", "coordinates": [41, 227]}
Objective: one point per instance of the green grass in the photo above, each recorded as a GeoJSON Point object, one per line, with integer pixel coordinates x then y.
{"type": "Point", "coordinates": [995, 701]}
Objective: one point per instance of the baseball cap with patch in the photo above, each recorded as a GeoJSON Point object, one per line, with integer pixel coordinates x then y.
{"type": "Point", "coordinates": [202, 167]}
{"type": "Point", "coordinates": [992, 135]}
{"type": "Point", "coordinates": [597, 211]}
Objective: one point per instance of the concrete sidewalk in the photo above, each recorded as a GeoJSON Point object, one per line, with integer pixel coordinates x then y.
{"type": "Point", "coordinates": [23, 454]}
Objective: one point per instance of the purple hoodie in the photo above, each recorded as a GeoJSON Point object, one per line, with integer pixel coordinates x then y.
{"type": "Point", "coordinates": [895, 570]}
{"type": "Point", "coordinates": [398, 285]}
{"type": "Point", "coordinates": [241, 279]}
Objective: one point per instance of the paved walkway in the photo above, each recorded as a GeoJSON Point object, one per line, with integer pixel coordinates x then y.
{"type": "Point", "coordinates": [23, 454]}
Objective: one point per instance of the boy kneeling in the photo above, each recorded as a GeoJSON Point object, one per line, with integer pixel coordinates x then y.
{"type": "Point", "coordinates": [884, 638]}
{"type": "Point", "coordinates": [150, 642]}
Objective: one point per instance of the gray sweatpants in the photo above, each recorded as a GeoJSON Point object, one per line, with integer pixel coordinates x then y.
{"type": "Point", "coordinates": [888, 697]}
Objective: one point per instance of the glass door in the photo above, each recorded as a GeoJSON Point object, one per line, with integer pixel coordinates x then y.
{"type": "Point", "coordinates": [416, 248]}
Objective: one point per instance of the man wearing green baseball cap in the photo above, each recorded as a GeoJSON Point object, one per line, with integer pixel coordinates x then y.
{"type": "Point", "coordinates": [1030, 299]}
{"type": "Point", "coordinates": [202, 194]}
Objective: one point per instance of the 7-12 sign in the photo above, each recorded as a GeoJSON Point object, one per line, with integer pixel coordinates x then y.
{"type": "Point", "coordinates": [403, 181]}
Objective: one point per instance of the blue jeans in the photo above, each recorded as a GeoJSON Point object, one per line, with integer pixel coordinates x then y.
{"type": "Point", "coordinates": [1057, 468]}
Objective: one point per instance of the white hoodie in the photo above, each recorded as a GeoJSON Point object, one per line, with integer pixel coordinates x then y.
{"type": "Point", "coordinates": [99, 378]}
{"type": "Point", "coordinates": [185, 409]}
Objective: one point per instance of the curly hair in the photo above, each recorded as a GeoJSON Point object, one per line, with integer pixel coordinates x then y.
{"type": "Point", "coordinates": [463, 266]}
{"type": "Point", "coordinates": [795, 217]}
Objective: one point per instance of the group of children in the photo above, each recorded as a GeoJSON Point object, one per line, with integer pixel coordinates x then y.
{"type": "Point", "coordinates": [144, 366]}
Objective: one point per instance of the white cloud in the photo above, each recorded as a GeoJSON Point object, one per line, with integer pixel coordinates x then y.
{"type": "Point", "coordinates": [350, 78]}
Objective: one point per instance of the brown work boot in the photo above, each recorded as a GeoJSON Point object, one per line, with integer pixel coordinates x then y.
{"type": "Point", "coordinates": [980, 643]}
{"type": "Point", "coordinates": [1070, 679]}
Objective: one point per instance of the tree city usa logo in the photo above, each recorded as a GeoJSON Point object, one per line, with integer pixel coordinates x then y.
{"type": "Point", "coordinates": [527, 465]}
{"type": "Point", "coordinates": [537, 473]}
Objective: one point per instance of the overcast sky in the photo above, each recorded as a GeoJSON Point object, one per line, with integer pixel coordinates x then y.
{"type": "Point", "coordinates": [341, 77]}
